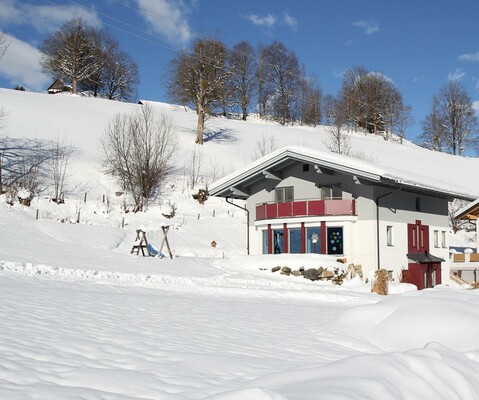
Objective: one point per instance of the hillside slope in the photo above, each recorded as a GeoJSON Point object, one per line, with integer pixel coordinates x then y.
{"type": "Point", "coordinates": [229, 143]}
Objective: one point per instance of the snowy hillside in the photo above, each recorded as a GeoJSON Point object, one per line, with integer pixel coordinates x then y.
{"type": "Point", "coordinates": [229, 143]}
{"type": "Point", "coordinates": [83, 318]}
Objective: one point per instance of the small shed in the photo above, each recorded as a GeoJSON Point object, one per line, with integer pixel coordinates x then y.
{"type": "Point", "coordinates": [58, 86]}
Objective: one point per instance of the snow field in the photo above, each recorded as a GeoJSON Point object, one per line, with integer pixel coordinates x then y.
{"type": "Point", "coordinates": [81, 318]}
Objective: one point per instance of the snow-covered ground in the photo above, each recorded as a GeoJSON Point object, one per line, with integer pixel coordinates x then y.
{"type": "Point", "coordinates": [82, 318]}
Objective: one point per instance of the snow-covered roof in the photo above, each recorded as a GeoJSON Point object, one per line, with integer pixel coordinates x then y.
{"type": "Point", "coordinates": [364, 169]}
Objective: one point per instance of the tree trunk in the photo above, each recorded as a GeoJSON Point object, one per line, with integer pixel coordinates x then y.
{"type": "Point", "coordinates": [200, 127]}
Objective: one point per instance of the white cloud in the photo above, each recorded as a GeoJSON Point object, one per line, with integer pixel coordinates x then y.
{"type": "Point", "coordinates": [456, 75]}
{"type": "Point", "coordinates": [168, 18]}
{"type": "Point", "coordinates": [291, 21]}
{"type": "Point", "coordinates": [469, 56]}
{"type": "Point", "coordinates": [44, 18]}
{"type": "Point", "coordinates": [20, 65]}
{"type": "Point", "coordinates": [369, 27]}
{"type": "Point", "coordinates": [475, 106]}
{"type": "Point", "coordinates": [268, 20]}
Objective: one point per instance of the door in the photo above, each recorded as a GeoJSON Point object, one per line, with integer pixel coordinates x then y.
{"type": "Point", "coordinates": [425, 275]}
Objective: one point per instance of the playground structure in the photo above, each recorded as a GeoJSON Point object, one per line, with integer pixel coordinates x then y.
{"type": "Point", "coordinates": [141, 244]}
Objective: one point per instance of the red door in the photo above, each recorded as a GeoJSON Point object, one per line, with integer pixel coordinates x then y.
{"type": "Point", "coordinates": [421, 275]}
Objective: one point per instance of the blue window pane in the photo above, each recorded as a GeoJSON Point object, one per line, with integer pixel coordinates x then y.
{"type": "Point", "coordinates": [295, 240]}
{"type": "Point", "coordinates": [265, 242]}
{"type": "Point", "coordinates": [313, 240]}
{"type": "Point", "coordinates": [278, 247]}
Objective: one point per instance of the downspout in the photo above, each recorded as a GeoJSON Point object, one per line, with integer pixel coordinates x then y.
{"type": "Point", "coordinates": [377, 226]}
{"type": "Point", "coordinates": [247, 221]}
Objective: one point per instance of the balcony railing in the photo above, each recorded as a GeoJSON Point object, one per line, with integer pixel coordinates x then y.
{"type": "Point", "coordinates": [305, 208]}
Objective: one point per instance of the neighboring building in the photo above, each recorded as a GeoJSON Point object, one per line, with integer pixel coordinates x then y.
{"type": "Point", "coordinates": [58, 87]}
{"type": "Point", "coordinates": [466, 264]}
{"type": "Point", "coordinates": [306, 201]}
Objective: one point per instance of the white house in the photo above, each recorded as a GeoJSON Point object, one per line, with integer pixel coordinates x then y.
{"type": "Point", "coordinates": [301, 200]}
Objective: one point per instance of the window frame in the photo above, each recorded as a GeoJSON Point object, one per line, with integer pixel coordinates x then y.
{"type": "Point", "coordinates": [436, 238]}
{"type": "Point", "coordinates": [285, 192]}
{"type": "Point", "coordinates": [389, 235]}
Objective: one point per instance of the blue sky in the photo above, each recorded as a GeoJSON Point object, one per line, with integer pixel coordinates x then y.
{"type": "Point", "coordinates": [419, 44]}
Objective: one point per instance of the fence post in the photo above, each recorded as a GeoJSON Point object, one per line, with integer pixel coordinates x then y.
{"type": "Point", "coordinates": [78, 217]}
{"type": "Point", "coordinates": [84, 199]}
{"type": "Point", "coordinates": [123, 222]}
{"type": "Point", "coordinates": [38, 212]}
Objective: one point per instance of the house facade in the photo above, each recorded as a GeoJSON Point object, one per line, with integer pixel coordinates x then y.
{"type": "Point", "coordinates": [304, 201]}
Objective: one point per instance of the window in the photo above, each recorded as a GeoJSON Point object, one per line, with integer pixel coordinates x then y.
{"type": "Point", "coordinates": [284, 194]}
{"type": "Point", "coordinates": [443, 239]}
{"type": "Point", "coordinates": [278, 241]}
{"type": "Point", "coordinates": [265, 241]}
{"type": "Point", "coordinates": [331, 192]}
{"type": "Point", "coordinates": [313, 240]}
{"type": "Point", "coordinates": [335, 240]}
{"type": "Point", "coordinates": [295, 240]}
{"type": "Point", "coordinates": [389, 235]}
{"type": "Point", "coordinates": [305, 167]}
{"type": "Point", "coordinates": [418, 204]}
{"type": "Point", "coordinates": [436, 239]}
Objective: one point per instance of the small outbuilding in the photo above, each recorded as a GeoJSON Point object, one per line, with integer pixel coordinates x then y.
{"type": "Point", "coordinates": [58, 87]}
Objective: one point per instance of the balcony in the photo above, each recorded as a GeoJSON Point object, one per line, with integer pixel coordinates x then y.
{"type": "Point", "coordinates": [306, 208]}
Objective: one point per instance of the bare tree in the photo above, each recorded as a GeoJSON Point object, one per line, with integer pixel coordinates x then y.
{"type": "Point", "coordinates": [103, 45]}
{"type": "Point", "coordinates": [283, 76]}
{"type": "Point", "coordinates": [121, 77]}
{"type": "Point", "coordinates": [197, 77]}
{"type": "Point", "coordinates": [116, 74]}
{"type": "Point", "coordinates": [69, 53]}
{"type": "Point", "coordinates": [193, 169]}
{"type": "Point", "coordinates": [434, 132]}
{"type": "Point", "coordinates": [454, 119]}
{"type": "Point", "coordinates": [309, 103]}
{"type": "Point", "coordinates": [61, 157]}
{"type": "Point", "coordinates": [243, 78]}
{"type": "Point", "coordinates": [338, 141]}
{"type": "Point", "coordinates": [371, 101]}
{"type": "Point", "coordinates": [264, 91]}
{"type": "Point", "coordinates": [138, 151]}
{"type": "Point", "coordinates": [453, 208]}
{"type": "Point", "coordinates": [23, 164]}
{"type": "Point", "coordinates": [264, 145]}
{"type": "Point", "coordinates": [329, 109]}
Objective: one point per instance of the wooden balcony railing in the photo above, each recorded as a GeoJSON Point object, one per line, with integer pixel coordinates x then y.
{"type": "Point", "coordinates": [305, 208]}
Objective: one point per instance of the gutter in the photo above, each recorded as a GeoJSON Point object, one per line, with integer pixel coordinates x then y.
{"type": "Point", "coordinates": [247, 221]}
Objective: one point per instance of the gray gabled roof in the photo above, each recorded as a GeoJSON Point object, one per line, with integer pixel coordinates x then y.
{"type": "Point", "coordinates": [230, 185]}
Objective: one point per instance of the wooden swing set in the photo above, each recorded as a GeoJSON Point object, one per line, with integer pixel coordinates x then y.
{"type": "Point", "coordinates": [141, 244]}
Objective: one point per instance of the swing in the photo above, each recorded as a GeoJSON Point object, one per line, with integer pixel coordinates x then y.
{"type": "Point", "coordinates": [141, 244]}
